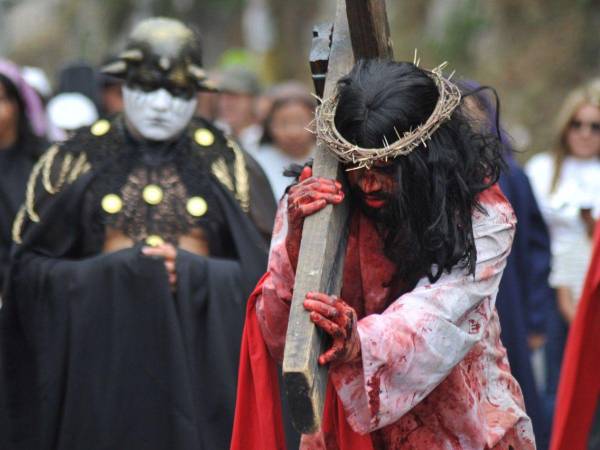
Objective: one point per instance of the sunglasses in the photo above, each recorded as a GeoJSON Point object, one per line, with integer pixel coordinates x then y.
{"type": "Point", "coordinates": [577, 125]}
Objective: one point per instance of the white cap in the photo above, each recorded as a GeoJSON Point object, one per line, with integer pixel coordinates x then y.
{"type": "Point", "coordinates": [71, 110]}
{"type": "Point", "coordinates": [37, 79]}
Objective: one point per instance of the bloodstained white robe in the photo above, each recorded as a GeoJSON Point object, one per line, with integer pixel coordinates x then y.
{"type": "Point", "coordinates": [433, 374]}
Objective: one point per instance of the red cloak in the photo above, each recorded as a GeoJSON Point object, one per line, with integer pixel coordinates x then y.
{"type": "Point", "coordinates": [258, 424]}
{"type": "Point", "coordinates": [579, 387]}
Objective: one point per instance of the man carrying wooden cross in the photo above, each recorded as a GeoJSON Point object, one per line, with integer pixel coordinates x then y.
{"type": "Point", "coordinates": [415, 358]}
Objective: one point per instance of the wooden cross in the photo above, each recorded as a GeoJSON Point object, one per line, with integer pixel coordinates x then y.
{"type": "Point", "coordinates": [360, 31]}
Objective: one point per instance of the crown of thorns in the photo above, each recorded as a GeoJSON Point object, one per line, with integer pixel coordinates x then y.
{"type": "Point", "coordinates": [358, 157]}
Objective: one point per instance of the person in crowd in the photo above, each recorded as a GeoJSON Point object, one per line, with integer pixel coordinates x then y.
{"type": "Point", "coordinates": [208, 101]}
{"type": "Point", "coordinates": [566, 182]}
{"type": "Point", "coordinates": [414, 357]}
{"type": "Point", "coordinates": [239, 89]}
{"type": "Point", "coordinates": [524, 295]}
{"type": "Point", "coordinates": [124, 301]}
{"type": "Point", "coordinates": [80, 77]}
{"type": "Point", "coordinates": [287, 138]}
{"type": "Point", "coordinates": [76, 102]}
{"type": "Point", "coordinates": [264, 102]}
{"type": "Point", "coordinates": [110, 92]}
{"type": "Point", "coordinates": [22, 131]}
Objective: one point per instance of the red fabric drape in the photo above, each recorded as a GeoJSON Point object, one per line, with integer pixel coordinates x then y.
{"type": "Point", "coordinates": [258, 424]}
{"type": "Point", "coordinates": [579, 386]}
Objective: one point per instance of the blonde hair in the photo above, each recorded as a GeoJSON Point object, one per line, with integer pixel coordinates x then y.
{"type": "Point", "coordinates": [587, 94]}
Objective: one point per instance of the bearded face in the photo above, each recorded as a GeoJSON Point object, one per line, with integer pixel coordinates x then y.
{"type": "Point", "coordinates": [375, 191]}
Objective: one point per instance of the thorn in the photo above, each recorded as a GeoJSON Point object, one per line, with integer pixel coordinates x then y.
{"type": "Point", "coordinates": [319, 99]}
{"type": "Point", "coordinates": [386, 143]}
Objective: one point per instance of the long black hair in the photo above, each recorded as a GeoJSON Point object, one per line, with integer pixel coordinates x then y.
{"type": "Point", "coordinates": [431, 231]}
{"type": "Point", "coordinates": [27, 141]}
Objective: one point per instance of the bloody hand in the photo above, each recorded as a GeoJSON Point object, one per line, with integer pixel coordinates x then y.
{"type": "Point", "coordinates": [169, 253]}
{"type": "Point", "coordinates": [305, 198]}
{"type": "Point", "coordinates": [338, 319]}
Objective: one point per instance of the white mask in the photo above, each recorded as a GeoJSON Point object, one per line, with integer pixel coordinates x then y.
{"type": "Point", "coordinates": [157, 115]}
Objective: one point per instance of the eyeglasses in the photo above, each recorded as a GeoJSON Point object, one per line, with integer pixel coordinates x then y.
{"type": "Point", "coordinates": [578, 125]}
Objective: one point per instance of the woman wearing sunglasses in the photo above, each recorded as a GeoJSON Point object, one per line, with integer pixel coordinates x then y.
{"type": "Point", "coordinates": [566, 183]}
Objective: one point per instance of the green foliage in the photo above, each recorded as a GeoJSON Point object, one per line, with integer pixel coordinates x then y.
{"type": "Point", "coordinates": [238, 57]}
{"type": "Point", "coordinates": [461, 30]}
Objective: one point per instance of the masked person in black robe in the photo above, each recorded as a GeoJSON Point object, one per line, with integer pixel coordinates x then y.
{"type": "Point", "coordinates": [124, 304]}
{"type": "Point", "coordinates": [22, 123]}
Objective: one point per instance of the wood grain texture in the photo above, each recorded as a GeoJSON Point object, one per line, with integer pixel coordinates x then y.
{"type": "Point", "coordinates": [322, 250]}
{"type": "Point", "coordinates": [320, 254]}
{"type": "Point", "coordinates": [369, 29]}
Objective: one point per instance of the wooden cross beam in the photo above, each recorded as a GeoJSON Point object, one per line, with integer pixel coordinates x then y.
{"type": "Point", "coordinates": [360, 31]}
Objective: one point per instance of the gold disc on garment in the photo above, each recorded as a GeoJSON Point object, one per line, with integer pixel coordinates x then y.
{"type": "Point", "coordinates": [154, 240]}
{"type": "Point", "coordinates": [152, 194]}
{"type": "Point", "coordinates": [204, 137]}
{"type": "Point", "coordinates": [210, 85]}
{"type": "Point", "coordinates": [196, 206]}
{"type": "Point", "coordinates": [100, 128]}
{"type": "Point", "coordinates": [112, 203]}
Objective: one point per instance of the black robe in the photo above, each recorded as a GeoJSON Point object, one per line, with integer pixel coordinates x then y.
{"type": "Point", "coordinates": [15, 164]}
{"type": "Point", "coordinates": [97, 353]}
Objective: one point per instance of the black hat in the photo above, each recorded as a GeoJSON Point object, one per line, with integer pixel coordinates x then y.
{"type": "Point", "coordinates": [162, 51]}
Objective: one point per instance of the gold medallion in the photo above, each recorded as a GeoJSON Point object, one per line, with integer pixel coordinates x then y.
{"type": "Point", "coordinates": [152, 194]}
{"type": "Point", "coordinates": [204, 137]}
{"type": "Point", "coordinates": [196, 206]}
{"type": "Point", "coordinates": [210, 84]}
{"type": "Point", "coordinates": [112, 203]}
{"type": "Point", "coordinates": [100, 128]}
{"type": "Point", "coordinates": [154, 240]}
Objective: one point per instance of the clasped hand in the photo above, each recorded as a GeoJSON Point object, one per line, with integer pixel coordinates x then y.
{"type": "Point", "coordinates": [338, 319]}
{"type": "Point", "coordinates": [307, 197]}
{"type": "Point", "coordinates": [169, 253]}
